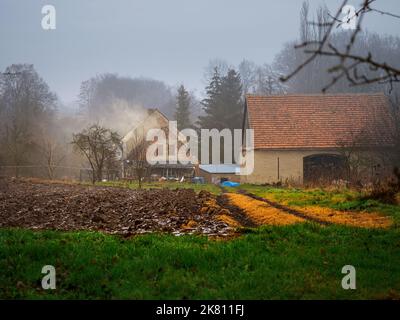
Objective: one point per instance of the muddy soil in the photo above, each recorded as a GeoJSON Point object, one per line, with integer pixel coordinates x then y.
{"type": "Point", "coordinates": [113, 210]}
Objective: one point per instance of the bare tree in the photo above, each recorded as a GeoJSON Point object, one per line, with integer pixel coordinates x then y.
{"type": "Point", "coordinates": [137, 156]}
{"type": "Point", "coordinates": [97, 94]}
{"type": "Point", "coordinates": [267, 81]}
{"type": "Point", "coordinates": [53, 155]}
{"type": "Point", "coordinates": [370, 153]}
{"type": "Point", "coordinates": [100, 146]}
{"type": "Point", "coordinates": [348, 65]}
{"type": "Point", "coordinates": [247, 70]}
{"type": "Point", "coordinates": [213, 65]}
{"type": "Point", "coordinates": [357, 159]}
{"type": "Point", "coordinates": [26, 104]}
{"type": "Point", "coordinates": [87, 95]}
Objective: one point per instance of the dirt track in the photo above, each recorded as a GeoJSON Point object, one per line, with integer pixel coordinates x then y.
{"type": "Point", "coordinates": [265, 212]}
{"type": "Point", "coordinates": [113, 210]}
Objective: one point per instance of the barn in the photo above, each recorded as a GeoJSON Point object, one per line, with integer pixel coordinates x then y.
{"type": "Point", "coordinates": [316, 138]}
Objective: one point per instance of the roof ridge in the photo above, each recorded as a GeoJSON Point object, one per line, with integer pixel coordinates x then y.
{"type": "Point", "coordinates": [381, 93]}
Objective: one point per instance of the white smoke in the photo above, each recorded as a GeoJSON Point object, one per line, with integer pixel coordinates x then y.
{"type": "Point", "coordinates": [122, 116]}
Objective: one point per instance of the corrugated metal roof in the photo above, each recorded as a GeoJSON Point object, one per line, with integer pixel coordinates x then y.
{"type": "Point", "coordinates": [220, 168]}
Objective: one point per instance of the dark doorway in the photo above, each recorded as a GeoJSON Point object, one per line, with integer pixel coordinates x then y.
{"type": "Point", "coordinates": [323, 168]}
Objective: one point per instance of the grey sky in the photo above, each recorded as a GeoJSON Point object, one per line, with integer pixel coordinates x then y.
{"type": "Point", "coordinates": [169, 40]}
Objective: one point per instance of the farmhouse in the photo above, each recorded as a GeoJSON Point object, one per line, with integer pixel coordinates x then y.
{"type": "Point", "coordinates": [152, 119]}
{"type": "Point", "coordinates": [315, 138]}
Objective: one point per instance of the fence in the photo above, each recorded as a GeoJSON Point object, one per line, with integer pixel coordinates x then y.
{"type": "Point", "coordinates": [55, 172]}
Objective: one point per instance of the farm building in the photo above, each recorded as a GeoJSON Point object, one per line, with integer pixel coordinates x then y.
{"type": "Point", "coordinates": [317, 138]}
{"type": "Point", "coordinates": [153, 119]}
{"type": "Point", "coordinates": [216, 173]}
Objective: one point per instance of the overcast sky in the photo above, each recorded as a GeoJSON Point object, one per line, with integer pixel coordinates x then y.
{"type": "Point", "coordinates": [169, 40]}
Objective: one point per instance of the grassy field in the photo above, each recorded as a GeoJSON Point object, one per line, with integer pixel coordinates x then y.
{"type": "Point", "coordinates": [301, 261]}
{"type": "Point", "coordinates": [296, 262]}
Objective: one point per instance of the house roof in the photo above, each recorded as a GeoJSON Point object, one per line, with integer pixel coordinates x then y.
{"type": "Point", "coordinates": [145, 117]}
{"type": "Point", "coordinates": [319, 121]}
{"type": "Point", "coordinates": [220, 168]}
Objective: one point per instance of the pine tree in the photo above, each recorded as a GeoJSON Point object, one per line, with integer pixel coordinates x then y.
{"type": "Point", "coordinates": [231, 100]}
{"type": "Point", "coordinates": [223, 105]}
{"type": "Point", "coordinates": [210, 104]}
{"type": "Point", "coordinates": [182, 114]}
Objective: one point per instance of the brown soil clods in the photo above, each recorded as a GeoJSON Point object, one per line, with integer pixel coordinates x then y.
{"type": "Point", "coordinates": [112, 210]}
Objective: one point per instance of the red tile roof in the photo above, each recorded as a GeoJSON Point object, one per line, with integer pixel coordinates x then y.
{"type": "Point", "coordinates": [319, 121]}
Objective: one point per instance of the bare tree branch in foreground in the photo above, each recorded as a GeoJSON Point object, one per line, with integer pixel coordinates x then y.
{"type": "Point", "coordinates": [349, 63]}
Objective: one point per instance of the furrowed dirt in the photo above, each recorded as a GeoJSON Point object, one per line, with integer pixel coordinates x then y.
{"type": "Point", "coordinates": [262, 213]}
{"type": "Point", "coordinates": [55, 206]}
{"type": "Point", "coordinates": [112, 210]}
